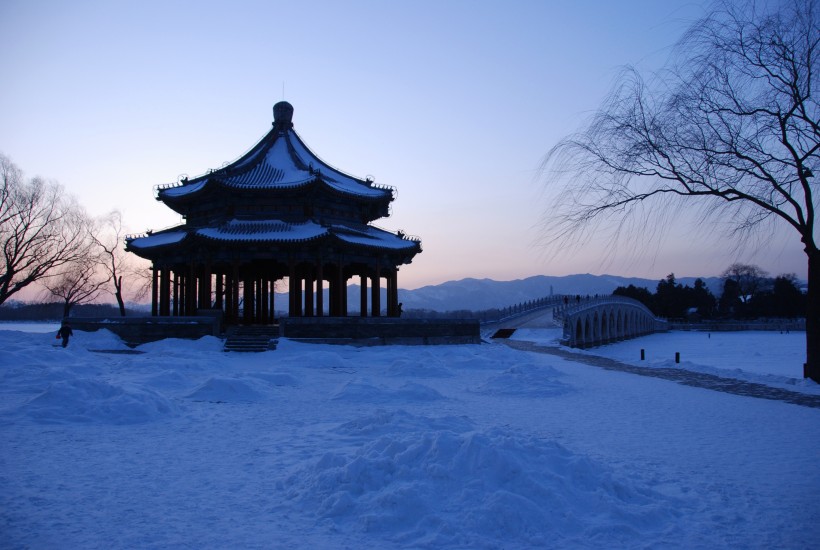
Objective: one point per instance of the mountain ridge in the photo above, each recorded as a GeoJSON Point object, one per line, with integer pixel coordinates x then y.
{"type": "Point", "coordinates": [481, 294]}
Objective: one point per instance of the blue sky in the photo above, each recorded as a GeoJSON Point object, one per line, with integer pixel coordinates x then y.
{"type": "Point", "coordinates": [453, 102]}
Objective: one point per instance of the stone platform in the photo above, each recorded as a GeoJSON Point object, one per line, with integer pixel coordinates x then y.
{"type": "Point", "coordinates": [140, 330]}
{"type": "Point", "coordinates": [380, 330]}
{"type": "Point", "coordinates": [328, 330]}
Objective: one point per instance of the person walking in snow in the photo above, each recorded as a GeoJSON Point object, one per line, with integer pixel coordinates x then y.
{"type": "Point", "coordinates": [65, 332]}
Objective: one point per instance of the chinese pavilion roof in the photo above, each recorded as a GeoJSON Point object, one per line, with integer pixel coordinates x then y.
{"type": "Point", "coordinates": [280, 195]}
{"type": "Point", "coordinates": [279, 162]}
{"type": "Point", "coordinates": [275, 232]}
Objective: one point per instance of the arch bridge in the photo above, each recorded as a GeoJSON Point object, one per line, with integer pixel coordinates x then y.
{"type": "Point", "coordinates": [590, 322]}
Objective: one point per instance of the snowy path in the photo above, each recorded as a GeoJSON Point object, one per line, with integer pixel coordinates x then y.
{"type": "Point", "coordinates": [682, 376]}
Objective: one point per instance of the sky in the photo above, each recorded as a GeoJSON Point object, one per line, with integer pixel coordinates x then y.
{"type": "Point", "coordinates": [452, 102]}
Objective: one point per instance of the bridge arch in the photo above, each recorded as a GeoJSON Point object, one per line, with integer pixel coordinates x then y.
{"type": "Point", "coordinates": [597, 321]}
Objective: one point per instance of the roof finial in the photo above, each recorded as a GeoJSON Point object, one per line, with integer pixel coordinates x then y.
{"type": "Point", "coordinates": [283, 115]}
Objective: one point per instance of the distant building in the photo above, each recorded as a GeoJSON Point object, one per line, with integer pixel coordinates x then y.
{"type": "Point", "coordinates": [277, 212]}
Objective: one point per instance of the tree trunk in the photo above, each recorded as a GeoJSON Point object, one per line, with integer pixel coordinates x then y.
{"type": "Point", "coordinates": [118, 295]}
{"type": "Point", "coordinates": [66, 308]}
{"type": "Point", "coordinates": [812, 366]}
{"type": "Point", "coordinates": [120, 303]}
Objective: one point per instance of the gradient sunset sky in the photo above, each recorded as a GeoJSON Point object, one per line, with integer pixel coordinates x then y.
{"type": "Point", "coordinates": [454, 102]}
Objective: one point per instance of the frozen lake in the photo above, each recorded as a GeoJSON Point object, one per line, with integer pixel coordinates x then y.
{"type": "Point", "coordinates": [763, 356]}
{"type": "Point", "coordinates": [34, 326]}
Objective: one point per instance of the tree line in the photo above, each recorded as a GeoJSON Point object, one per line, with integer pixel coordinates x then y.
{"type": "Point", "coordinates": [52, 311]}
{"type": "Point", "coordinates": [483, 315]}
{"type": "Point", "coordinates": [49, 242]}
{"type": "Point", "coordinates": [748, 293]}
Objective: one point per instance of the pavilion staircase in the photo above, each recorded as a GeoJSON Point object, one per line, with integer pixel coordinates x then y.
{"type": "Point", "coordinates": [252, 338]}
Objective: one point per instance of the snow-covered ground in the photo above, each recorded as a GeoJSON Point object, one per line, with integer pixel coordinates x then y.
{"type": "Point", "coordinates": [773, 358]}
{"type": "Point", "coordinates": [478, 446]}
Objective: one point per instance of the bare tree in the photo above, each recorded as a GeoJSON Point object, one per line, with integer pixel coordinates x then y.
{"type": "Point", "coordinates": [41, 229]}
{"type": "Point", "coordinates": [77, 282]}
{"type": "Point", "coordinates": [731, 129]}
{"type": "Point", "coordinates": [116, 263]}
{"type": "Point", "coordinates": [748, 278]}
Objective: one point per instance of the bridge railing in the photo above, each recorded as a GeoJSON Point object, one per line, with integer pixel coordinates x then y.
{"type": "Point", "coordinates": [522, 308]}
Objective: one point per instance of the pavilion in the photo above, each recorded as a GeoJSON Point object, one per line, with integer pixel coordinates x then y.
{"type": "Point", "coordinates": [277, 212]}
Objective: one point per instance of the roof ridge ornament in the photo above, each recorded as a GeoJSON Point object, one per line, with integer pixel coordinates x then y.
{"type": "Point", "coordinates": [283, 115]}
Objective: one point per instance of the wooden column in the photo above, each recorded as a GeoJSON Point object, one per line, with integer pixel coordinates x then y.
{"type": "Point", "coordinates": [235, 292]}
{"type": "Point", "coordinates": [229, 282]}
{"type": "Point", "coordinates": [375, 293]}
{"type": "Point", "coordinates": [363, 300]}
{"type": "Point", "coordinates": [272, 316]}
{"type": "Point", "coordinates": [332, 295]}
{"type": "Point", "coordinates": [175, 298]}
{"type": "Point", "coordinates": [204, 287]}
{"type": "Point", "coordinates": [342, 292]}
{"type": "Point", "coordinates": [394, 293]}
{"type": "Point", "coordinates": [309, 311]}
{"type": "Point", "coordinates": [190, 290]}
{"type": "Point", "coordinates": [396, 307]}
{"type": "Point", "coordinates": [320, 290]}
{"type": "Point", "coordinates": [388, 279]}
{"type": "Point", "coordinates": [257, 303]}
{"type": "Point", "coordinates": [264, 300]}
{"type": "Point", "coordinates": [294, 291]}
{"type": "Point", "coordinates": [154, 291]}
{"type": "Point", "coordinates": [165, 292]}
{"type": "Point", "coordinates": [181, 294]}
{"type": "Point", "coordinates": [220, 290]}
{"type": "Point", "coordinates": [247, 296]}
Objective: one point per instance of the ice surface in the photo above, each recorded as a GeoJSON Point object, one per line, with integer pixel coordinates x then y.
{"type": "Point", "coordinates": [768, 357]}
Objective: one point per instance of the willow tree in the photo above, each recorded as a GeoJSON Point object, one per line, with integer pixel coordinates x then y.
{"type": "Point", "coordinates": [117, 264]}
{"type": "Point", "coordinates": [42, 230]}
{"type": "Point", "coordinates": [731, 128]}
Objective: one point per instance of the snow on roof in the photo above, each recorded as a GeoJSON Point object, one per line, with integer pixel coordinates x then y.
{"type": "Point", "coordinates": [336, 179]}
{"type": "Point", "coordinates": [158, 239]}
{"type": "Point", "coordinates": [372, 236]}
{"type": "Point", "coordinates": [280, 231]}
{"type": "Point", "coordinates": [183, 189]}
{"type": "Point", "coordinates": [277, 168]}
{"type": "Point", "coordinates": [263, 230]}
{"type": "Point", "coordinates": [286, 163]}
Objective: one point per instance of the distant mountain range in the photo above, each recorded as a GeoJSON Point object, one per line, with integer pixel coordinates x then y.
{"type": "Point", "coordinates": [481, 294]}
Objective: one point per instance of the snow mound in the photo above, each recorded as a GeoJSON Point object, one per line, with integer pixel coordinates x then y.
{"type": "Point", "coordinates": [440, 488]}
{"type": "Point", "coordinates": [167, 380]}
{"type": "Point", "coordinates": [228, 390]}
{"type": "Point", "coordinates": [313, 359]}
{"type": "Point", "coordinates": [412, 367]}
{"type": "Point", "coordinates": [385, 422]}
{"type": "Point", "coordinates": [362, 391]}
{"type": "Point", "coordinates": [276, 378]}
{"type": "Point", "coordinates": [97, 402]}
{"type": "Point", "coordinates": [100, 339]}
{"type": "Point", "coordinates": [171, 345]}
{"type": "Point", "coordinates": [525, 380]}
{"type": "Point", "coordinates": [474, 362]}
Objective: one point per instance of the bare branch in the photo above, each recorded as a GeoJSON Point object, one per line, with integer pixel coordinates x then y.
{"type": "Point", "coordinates": [41, 230]}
